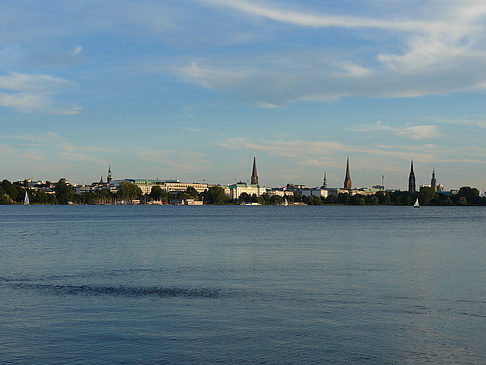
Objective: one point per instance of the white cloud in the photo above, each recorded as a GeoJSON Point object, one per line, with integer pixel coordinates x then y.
{"type": "Point", "coordinates": [33, 92]}
{"type": "Point", "coordinates": [77, 50]}
{"type": "Point", "coordinates": [49, 147]}
{"type": "Point", "coordinates": [440, 49]}
{"type": "Point", "coordinates": [417, 132]}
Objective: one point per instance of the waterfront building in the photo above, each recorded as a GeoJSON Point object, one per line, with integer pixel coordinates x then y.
{"type": "Point", "coordinates": [254, 175]}
{"type": "Point", "coordinates": [242, 187]}
{"type": "Point", "coordinates": [433, 181]}
{"type": "Point", "coordinates": [411, 180]}
{"type": "Point", "coordinates": [279, 192]}
{"type": "Point", "coordinates": [315, 192]}
{"type": "Point", "coordinates": [170, 186]}
{"type": "Point", "coordinates": [347, 179]}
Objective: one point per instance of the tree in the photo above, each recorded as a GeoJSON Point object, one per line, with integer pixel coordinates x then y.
{"type": "Point", "coordinates": [471, 194]}
{"type": "Point", "coordinates": [426, 195]}
{"type": "Point", "coordinates": [129, 191]}
{"type": "Point", "coordinates": [157, 193]}
{"type": "Point", "coordinates": [357, 200]}
{"type": "Point", "coordinates": [461, 201]}
{"type": "Point", "coordinates": [192, 193]}
{"type": "Point", "coordinates": [64, 192]}
{"type": "Point", "coordinates": [215, 195]}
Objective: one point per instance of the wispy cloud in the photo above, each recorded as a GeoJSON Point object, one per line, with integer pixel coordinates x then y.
{"type": "Point", "coordinates": [33, 92]}
{"type": "Point", "coordinates": [417, 132]}
{"type": "Point", "coordinates": [440, 51]}
{"type": "Point", "coordinates": [49, 147]}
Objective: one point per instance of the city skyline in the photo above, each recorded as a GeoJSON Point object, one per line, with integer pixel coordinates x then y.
{"type": "Point", "coordinates": [191, 89]}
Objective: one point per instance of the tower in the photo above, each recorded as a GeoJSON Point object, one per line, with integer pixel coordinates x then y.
{"type": "Point", "coordinates": [108, 179]}
{"type": "Point", "coordinates": [324, 183]}
{"type": "Point", "coordinates": [411, 180]}
{"type": "Point", "coordinates": [347, 179]}
{"type": "Point", "coordinates": [254, 175]}
{"type": "Point", "coordinates": [433, 181]}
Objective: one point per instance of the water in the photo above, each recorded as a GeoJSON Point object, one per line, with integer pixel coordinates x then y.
{"type": "Point", "coordinates": [231, 284]}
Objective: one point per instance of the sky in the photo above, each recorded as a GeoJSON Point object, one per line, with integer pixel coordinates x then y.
{"type": "Point", "coordinates": [192, 89]}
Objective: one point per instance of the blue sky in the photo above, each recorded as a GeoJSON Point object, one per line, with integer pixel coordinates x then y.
{"type": "Point", "coordinates": [191, 89]}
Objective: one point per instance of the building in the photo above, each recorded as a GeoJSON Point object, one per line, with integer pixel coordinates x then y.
{"type": "Point", "coordinates": [433, 181]}
{"type": "Point", "coordinates": [315, 192]}
{"type": "Point", "coordinates": [347, 179]}
{"type": "Point", "coordinates": [411, 180]}
{"type": "Point", "coordinates": [170, 186]}
{"type": "Point", "coordinates": [279, 192]}
{"type": "Point", "coordinates": [239, 188]}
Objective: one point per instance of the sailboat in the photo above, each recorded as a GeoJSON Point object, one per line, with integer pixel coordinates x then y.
{"type": "Point", "coordinates": [26, 199]}
{"type": "Point", "coordinates": [285, 203]}
{"type": "Point", "coordinates": [416, 205]}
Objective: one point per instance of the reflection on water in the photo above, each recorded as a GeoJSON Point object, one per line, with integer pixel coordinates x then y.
{"type": "Point", "coordinates": [110, 284]}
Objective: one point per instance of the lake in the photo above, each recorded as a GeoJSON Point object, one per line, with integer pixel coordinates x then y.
{"type": "Point", "coordinates": [242, 284]}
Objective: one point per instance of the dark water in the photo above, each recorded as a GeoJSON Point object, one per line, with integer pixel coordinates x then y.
{"type": "Point", "coordinates": [270, 285]}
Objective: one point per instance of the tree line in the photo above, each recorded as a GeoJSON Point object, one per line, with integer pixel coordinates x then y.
{"type": "Point", "coordinates": [63, 193]}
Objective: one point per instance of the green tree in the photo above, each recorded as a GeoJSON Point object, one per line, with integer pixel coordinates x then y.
{"type": "Point", "coordinates": [426, 195]}
{"type": "Point", "coordinates": [215, 195]}
{"type": "Point", "coordinates": [192, 193]}
{"type": "Point", "coordinates": [461, 201]}
{"type": "Point", "coordinates": [343, 198]}
{"type": "Point", "coordinates": [471, 194]}
{"type": "Point", "coordinates": [129, 191]}
{"type": "Point", "coordinates": [64, 192]}
{"type": "Point", "coordinates": [357, 200]}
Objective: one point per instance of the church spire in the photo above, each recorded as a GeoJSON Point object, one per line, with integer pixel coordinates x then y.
{"type": "Point", "coordinates": [433, 181]}
{"type": "Point", "coordinates": [324, 183]}
{"type": "Point", "coordinates": [411, 180]}
{"type": "Point", "coordinates": [254, 175]}
{"type": "Point", "coordinates": [108, 179]}
{"type": "Point", "coordinates": [347, 179]}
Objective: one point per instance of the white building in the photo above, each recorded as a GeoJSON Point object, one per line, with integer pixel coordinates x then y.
{"type": "Point", "coordinates": [237, 189]}
{"type": "Point", "coordinates": [315, 192]}
{"type": "Point", "coordinates": [168, 185]}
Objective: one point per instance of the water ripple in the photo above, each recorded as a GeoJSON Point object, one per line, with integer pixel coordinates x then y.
{"type": "Point", "coordinates": [122, 291]}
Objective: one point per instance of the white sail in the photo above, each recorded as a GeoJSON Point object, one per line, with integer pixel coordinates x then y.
{"type": "Point", "coordinates": [26, 199]}
{"type": "Point", "coordinates": [285, 203]}
{"type": "Point", "coordinates": [417, 205]}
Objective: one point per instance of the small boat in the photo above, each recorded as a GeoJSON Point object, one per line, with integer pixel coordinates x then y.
{"type": "Point", "coordinates": [26, 199]}
{"type": "Point", "coordinates": [285, 203]}
{"type": "Point", "coordinates": [416, 205]}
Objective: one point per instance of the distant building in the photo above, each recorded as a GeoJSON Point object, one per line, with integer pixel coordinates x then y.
{"type": "Point", "coordinates": [411, 180]}
{"type": "Point", "coordinates": [347, 179]}
{"type": "Point", "coordinates": [433, 181]}
{"type": "Point", "coordinates": [279, 192]}
{"type": "Point", "coordinates": [242, 187]}
{"type": "Point", "coordinates": [314, 192]}
{"type": "Point", "coordinates": [109, 178]}
{"type": "Point", "coordinates": [170, 186]}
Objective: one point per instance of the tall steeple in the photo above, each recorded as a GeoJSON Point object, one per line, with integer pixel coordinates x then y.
{"type": "Point", "coordinates": [108, 179]}
{"type": "Point", "coordinates": [433, 181]}
{"type": "Point", "coordinates": [411, 180]}
{"type": "Point", "coordinates": [254, 175]}
{"type": "Point", "coordinates": [324, 183]}
{"type": "Point", "coordinates": [347, 179]}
